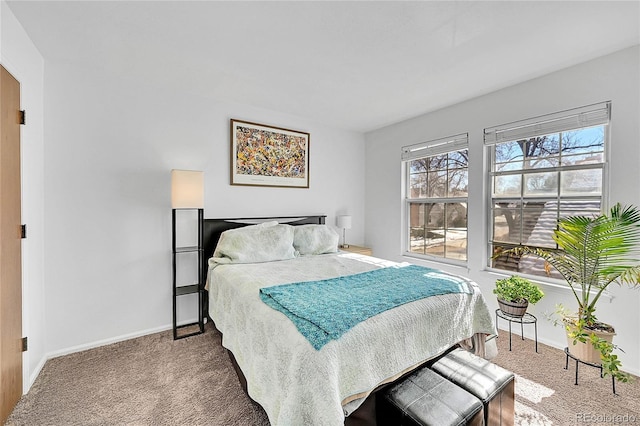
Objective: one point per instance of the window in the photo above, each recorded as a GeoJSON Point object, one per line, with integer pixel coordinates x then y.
{"type": "Point", "coordinates": [542, 170]}
{"type": "Point", "coordinates": [436, 197]}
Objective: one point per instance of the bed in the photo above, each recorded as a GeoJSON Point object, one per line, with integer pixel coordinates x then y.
{"type": "Point", "coordinates": [295, 377]}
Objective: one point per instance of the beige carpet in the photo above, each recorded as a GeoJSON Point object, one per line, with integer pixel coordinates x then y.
{"type": "Point", "coordinates": [153, 380]}
{"type": "Point", "coordinates": [546, 393]}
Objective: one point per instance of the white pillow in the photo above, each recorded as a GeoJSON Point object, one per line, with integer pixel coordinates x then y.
{"type": "Point", "coordinates": [315, 239]}
{"type": "Point", "coordinates": [265, 242]}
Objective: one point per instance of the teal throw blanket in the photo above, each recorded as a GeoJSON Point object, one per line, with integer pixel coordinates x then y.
{"type": "Point", "coordinates": [324, 310]}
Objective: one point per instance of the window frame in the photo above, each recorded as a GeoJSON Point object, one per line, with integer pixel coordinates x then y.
{"type": "Point", "coordinates": [428, 149]}
{"type": "Point", "coordinates": [574, 119]}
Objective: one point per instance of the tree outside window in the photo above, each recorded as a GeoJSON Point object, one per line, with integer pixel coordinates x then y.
{"type": "Point", "coordinates": [535, 182]}
{"type": "Point", "coordinates": [437, 205]}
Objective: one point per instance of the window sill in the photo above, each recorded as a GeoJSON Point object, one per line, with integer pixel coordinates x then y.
{"type": "Point", "coordinates": [439, 260]}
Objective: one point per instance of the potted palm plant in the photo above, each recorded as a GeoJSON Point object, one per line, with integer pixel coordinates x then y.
{"type": "Point", "coordinates": [514, 294]}
{"type": "Point", "coordinates": [593, 252]}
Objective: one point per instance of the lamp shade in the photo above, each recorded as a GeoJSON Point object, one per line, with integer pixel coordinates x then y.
{"type": "Point", "coordinates": [344, 222]}
{"type": "Point", "coordinates": [187, 189]}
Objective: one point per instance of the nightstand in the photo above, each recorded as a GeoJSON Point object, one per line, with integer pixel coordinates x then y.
{"type": "Point", "coordinates": [357, 249]}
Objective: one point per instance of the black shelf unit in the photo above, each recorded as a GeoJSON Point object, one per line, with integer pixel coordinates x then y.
{"type": "Point", "coordinates": [184, 289]}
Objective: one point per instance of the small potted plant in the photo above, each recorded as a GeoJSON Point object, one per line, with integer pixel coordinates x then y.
{"type": "Point", "coordinates": [515, 293]}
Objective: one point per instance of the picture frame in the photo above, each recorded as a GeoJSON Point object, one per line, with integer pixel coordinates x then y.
{"type": "Point", "coordinates": [264, 155]}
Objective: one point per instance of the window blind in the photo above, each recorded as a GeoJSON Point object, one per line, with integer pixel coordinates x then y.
{"type": "Point", "coordinates": [577, 118]}
{"type": "Point", "coordinates": [435, 147]}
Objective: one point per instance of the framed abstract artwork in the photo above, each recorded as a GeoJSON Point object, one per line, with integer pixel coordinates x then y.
{"type": "Point", "coordinates": [264, 155]}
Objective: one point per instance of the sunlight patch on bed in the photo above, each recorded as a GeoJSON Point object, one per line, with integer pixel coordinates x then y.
{"type": "Point", "coordinates": [371, 260]}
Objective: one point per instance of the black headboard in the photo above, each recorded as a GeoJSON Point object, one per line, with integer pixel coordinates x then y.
{"type": "Point", "coordinates": [214, 227]}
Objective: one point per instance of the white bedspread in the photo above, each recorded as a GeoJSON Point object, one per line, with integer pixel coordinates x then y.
{"type": "Point", "coordinates": [298, 385]}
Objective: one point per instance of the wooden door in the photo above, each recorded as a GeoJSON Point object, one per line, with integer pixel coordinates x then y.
{"type": "Point", "coordinates": [10, 242]}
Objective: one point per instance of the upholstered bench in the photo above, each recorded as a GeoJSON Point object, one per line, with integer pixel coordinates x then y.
{"type": "Point", "coordinates": [492, 384]}
{"type": "Point", "coordinates": [426, 398]}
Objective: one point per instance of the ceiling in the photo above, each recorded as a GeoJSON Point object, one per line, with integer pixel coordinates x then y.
{"type": "Point", "coordinates": [356, 65]}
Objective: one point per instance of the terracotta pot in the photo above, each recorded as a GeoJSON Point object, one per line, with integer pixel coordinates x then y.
{"type": "Point", "coordinates": [585, 351]}
{"type": "Point", "coordinates": [513, 309]}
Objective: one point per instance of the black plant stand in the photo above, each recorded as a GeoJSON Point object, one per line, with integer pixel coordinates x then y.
{"type": "Point", "coordinates": [566, 367]}
{"type": "Point", "coordinates": [526, 319]}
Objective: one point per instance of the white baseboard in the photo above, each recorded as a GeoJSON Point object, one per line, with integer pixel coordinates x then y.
{"type": "Point", "coordinates": [36, 372]}
{"type": "Point", "coordinates": [108, 341]}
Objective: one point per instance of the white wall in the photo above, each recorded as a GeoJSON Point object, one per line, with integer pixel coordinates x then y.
{"type": "Point", "coordinates": [20, 57]}
{"type": "Point", "coordinates": [614, 77]}
{"type": "Point", "coordinates": [111, 144]}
